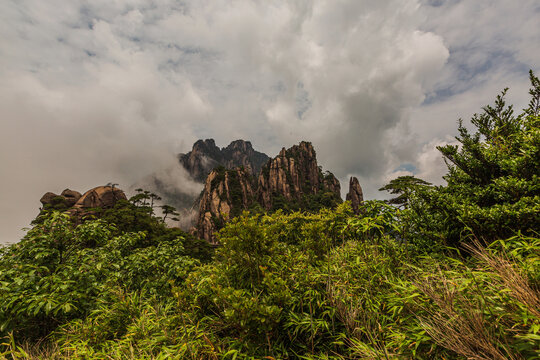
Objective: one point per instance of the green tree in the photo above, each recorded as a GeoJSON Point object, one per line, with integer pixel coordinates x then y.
{"type": "Point", "coordinates": [169, 210]}
{"type": "Point", "coordinates": [493, 177]}
{"type": "Point", "coordinates": [403, 187]}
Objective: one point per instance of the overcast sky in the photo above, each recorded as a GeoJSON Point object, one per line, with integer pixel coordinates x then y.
{"type": "Point", "coordinates": [99, 91]}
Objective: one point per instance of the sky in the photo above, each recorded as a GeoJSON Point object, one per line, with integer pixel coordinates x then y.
{"type": "Point", "coordinates": [93, 92]}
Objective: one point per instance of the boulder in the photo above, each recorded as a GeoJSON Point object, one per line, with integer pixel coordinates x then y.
{"type": "Point", "coordinates": [104, 197]}
{"type": "Point", "coordinates": [47, 198]}
{"type": "Point", "coordinates": [71, 197]}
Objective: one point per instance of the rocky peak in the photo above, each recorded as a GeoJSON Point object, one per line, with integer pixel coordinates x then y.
{"type": "Point", "coordinates": [206, 147]}
{"type": "Point", "coordinates": [355, 194]}
{"type": "Point", "coordinates": [241, 153]}
{"type": "Point", "coordinates": [226, 194]}
{"type": "Point", "coordinates": [331, 183]}
{"type": "Point", "coordinates": [293, 174]}
{"type": "Point", "coordinates": [240, 145]}
{"type": "Point", "coordinates": [205, 156]}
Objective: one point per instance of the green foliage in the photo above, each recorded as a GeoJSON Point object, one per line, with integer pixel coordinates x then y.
{"type": "Point", "coordinates": [493, 179]}
{"type": "Point", "coordinates": [299, 285]}
{"type": "Point", "coordinates": [404, 187]}
{"type": "Point", "coordinates": [310, 202]}
{"type": "Point", "coordinates": [60, 271]}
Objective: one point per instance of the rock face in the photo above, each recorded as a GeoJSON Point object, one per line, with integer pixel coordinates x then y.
{"type": "Point", "coordinates": [293, 174]}
{"type": "Point", "coordinates": [292, 180]}
{"type": "Point", "coordinates": [205, 156]}
{"type": "Point", "coordinates": [104, 197]}
{"type": "Point", "coordinates": [355, 194]}
{"type": "Point", "coordinates": [226, 194]}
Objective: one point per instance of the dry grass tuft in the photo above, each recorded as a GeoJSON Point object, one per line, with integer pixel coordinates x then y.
{"type": "Point", "coordinates": [510, 277]}
{"type": "Point", "coordinates": [459, 324]}
{"type": "Point", "coordinates": [465, 330]}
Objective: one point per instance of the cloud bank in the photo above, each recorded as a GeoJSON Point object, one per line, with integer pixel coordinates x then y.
{"type": "Point", "coordinates": [98, 92]}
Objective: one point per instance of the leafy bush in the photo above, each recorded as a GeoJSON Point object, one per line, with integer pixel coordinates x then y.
{"type": "Point", "coordinates": [60, 271]}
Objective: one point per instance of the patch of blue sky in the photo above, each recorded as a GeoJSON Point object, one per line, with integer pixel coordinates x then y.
{"type": "Point", "coordinates": [407, 167]}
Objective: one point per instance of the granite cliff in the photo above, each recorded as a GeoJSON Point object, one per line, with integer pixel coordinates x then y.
{"type": "Point", "coordinates": [294, 176]}
{"type": "Point", "coordinates": [290, 181]}
{"type": "Point", "coordinates": [227, 192]}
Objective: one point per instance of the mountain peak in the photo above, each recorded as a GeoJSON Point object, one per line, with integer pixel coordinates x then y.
{"type": "Point", "coordinates": [205, 156]}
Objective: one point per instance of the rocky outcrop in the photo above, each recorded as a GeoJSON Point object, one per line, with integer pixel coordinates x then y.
{"type": "Point", "coordinates": [226, 194]}
{"type": "Point", "coordinates": [355, 194]}
{"type": "Point", "coordinates": [104, 197]}
{"type": "Point", "coordinates": [65, 200]}
{"type": "Point", "coordinates": [81, 206]}
{"type": "Point", "coordinates": [240, 153]}
{"type": "Point", "coordinates": [205, 156]}
{"type": "Point", "coordinates": [293, 174]}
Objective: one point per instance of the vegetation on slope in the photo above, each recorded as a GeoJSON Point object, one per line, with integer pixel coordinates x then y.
{"type": "Point", "coordinates": [454, 273]}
